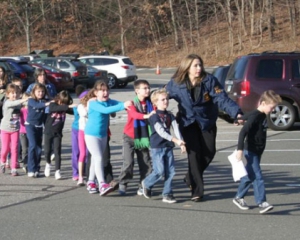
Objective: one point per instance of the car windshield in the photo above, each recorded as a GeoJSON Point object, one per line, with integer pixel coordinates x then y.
{"type": "Point", "coordinates": [237, 69]}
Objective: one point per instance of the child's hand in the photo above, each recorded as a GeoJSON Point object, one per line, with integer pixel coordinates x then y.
{"type": "Point", "coordinates": [127, 104]}
{"type": "Point", "coordinates": [73, 105]}
{"type": "Point", "coordinates": [239, 120]}
{"type": "Point", "coordinates": [239, 155]}
{"type": "Point", "coordinates": [179, 142]}
{"type": "Point", "coordinates": [146, 116]}
{"type": "Point", "coordinates": [183, 149]}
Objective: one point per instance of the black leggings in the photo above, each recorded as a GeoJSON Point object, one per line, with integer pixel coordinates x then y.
{"type": "Point", "coordinates": [201, 149]}
{"type": "Point", "coordinates": [54, 140]}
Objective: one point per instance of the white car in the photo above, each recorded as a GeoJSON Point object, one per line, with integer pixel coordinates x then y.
{"type": "Point", "coordinates": [120, 69]}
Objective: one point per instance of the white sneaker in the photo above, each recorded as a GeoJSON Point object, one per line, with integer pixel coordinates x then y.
{"type": "Point", "coordinates": [47, 170]}
{"type": "Point", "coordinates": [57, 175]}
{"type": "Point", "coordinates": [52, 157]}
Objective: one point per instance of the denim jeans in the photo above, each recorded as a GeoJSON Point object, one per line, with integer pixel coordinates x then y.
{"type": "Point", "coordinates": [35, 138]}
{"type": "Point", "coordinates": [163, 166]}
{"type": "Point", "coordinates": [254, 177]}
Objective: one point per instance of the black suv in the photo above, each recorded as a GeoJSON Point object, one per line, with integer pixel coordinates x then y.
{"type": "Point", "coordinates": [251, 75]}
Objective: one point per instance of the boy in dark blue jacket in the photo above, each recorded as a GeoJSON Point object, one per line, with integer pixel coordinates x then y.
{"type": "Point", "coordinates": [162, 144]}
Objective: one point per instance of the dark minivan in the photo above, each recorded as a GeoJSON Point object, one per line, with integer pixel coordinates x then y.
{"type": "Point", "coordinates": [251, 75]}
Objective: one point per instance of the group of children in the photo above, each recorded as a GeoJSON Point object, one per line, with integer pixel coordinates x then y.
{"type": "Point", "coordinates": [146, 133]}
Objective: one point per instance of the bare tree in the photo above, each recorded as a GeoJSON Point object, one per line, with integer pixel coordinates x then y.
{"type": "Point", "coordinates": [176, 42]}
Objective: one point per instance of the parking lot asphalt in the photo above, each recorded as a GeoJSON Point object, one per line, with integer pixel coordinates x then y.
{"type": "Point", "coordinates": [45, 208]}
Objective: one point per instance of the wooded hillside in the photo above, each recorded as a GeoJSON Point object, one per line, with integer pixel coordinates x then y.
{"type": "Point", "coordinates": [151, 31]}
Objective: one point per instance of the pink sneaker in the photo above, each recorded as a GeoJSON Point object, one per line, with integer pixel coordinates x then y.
{"type": "Point", "coordinates": [92, 188]}
{"type": "Point", "coordinates": [105, 189]}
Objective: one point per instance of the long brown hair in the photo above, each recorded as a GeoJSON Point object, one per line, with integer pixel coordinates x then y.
{"type": "Point", "coordinates": [182, 71]}
{"type": "Point", "coordinates": [63, 97]}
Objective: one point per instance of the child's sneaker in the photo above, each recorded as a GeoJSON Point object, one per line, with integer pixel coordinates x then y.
{"type": "Point", "coordinates": [169, 199]}
{"type": "Point", "coordinates": [265, 207]}
{"type": "Point", "coordinates": [92, 188]}
{"type": "Point", "coordinates": [105, 189]}
{"type": "Point", "coordinates": [25, 169]}
{"type": "Point", "coordinates": [2, 168]}
{"type": "Point", "coordinates": [122, 189]}
{"type": "Point", "coordinates": [75, 178]}
{"type": "Point", "coordinates": [140, 191]}
{"type": "Point", "coordinates": [80, 182]}
{"type": "Point", "coordinates": [57, 175]}
{"type": "Point", "coordinates": [31, 174]}
{"type": "Point", "coordinates": [47, 170]}
{"type": "Point", "coordinates": [36, 174]}
{"type": "Point", "coordinates": [146, 191]}
{"type": "Point", "coordinates": [240, 202]}
{"type": "Point", "coordinates": [14, 172]}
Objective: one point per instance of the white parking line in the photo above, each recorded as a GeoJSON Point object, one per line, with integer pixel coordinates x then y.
{"type": "Point", "coordinates": [268, 140]}
{"type": "Point", "coordinates": [274, 150]}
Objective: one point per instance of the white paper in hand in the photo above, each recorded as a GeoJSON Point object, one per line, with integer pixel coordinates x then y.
{"type": "Point", "coordinates": [238, 168]}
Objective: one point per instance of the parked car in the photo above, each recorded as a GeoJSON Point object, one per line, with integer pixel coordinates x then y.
{"type": "Point", "coordinates": [251, 75]}
{"type": "Point", "coordinates": [9, 72]}
{"type": "Point", "coordinates": [120, 69]}
{"type": "Point", "coordinates": [60, 79]}
{"type": "Point", "coordinates": [95, 75]}
{"type": "Point", "coordinates": [220, 73]}
{"type": "Point", "coordinates": [22, 70]}
{"type": "Point", "coordinates": [73, 66]}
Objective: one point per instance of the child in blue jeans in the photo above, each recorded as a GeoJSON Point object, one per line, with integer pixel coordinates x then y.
{"type": "Point", "coordinates": [255, 133]}
{"type": "Point", "coordinates": [162, 144]}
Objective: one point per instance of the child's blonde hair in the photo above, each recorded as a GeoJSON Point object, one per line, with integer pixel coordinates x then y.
{"type": "Point", "coordinates": [269, 97]}
{"type": "Point", "coordinates": [154, 94]}
{"type": "Point", "coordinates": [39, 86]}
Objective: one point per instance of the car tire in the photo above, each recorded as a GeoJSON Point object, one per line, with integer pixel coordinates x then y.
{"type": "Point", "coordinates": [283, 116]}
{"type": "Point", "coordinates": [112, 81]}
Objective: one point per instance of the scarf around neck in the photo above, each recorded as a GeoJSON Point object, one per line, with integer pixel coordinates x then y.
{"type": "Point", "coordinates": [142, 130]}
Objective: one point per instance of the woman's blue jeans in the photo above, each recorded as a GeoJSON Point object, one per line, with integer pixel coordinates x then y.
{"type": "Point", "coordinates": [254, 177]}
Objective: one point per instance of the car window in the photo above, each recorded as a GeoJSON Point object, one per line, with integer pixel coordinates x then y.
{"type": "Point", "coordinates": [27, 67]}
{"type": "Point", "coordinates": [270, 68]}
{"type": "Point", "coordinates": [237, 70]}
{"type": "Point", "coordinates": [49, 62]}
{"type": "Point", "coordinates": [13, 66]}
{"type": "Point", "coordinates": [127, 61]}
{"type": "Point", "coordinates": [108, 61]}
{"type": "Point", "coordinates": [2, 64]}
{"type": "Point", "coordinates": [296, 68]}
{"type": "Point", "coordinates": [63, 64]}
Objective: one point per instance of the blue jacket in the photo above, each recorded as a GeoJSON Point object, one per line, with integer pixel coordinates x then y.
{"type": "Point", "coordinates": [205, 109]}
{"type": "Point", "coordinates": [36, 112]}
{"type": "Point", "coordinates": [98, 116]}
